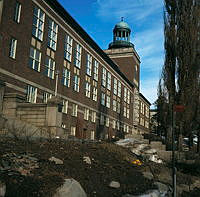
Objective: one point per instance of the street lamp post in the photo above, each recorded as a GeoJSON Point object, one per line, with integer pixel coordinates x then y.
{"type": "Point", "coordinates": [56, 86]}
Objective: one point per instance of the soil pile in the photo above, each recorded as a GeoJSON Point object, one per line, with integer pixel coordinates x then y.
{"type": "Point", "coordinates": [38, 168]}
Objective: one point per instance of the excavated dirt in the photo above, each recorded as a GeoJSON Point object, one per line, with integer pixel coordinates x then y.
{"type": "Point", "coordinates": [27, 171]}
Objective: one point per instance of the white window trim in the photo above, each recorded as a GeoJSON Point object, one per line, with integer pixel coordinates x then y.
{"type": "Point", "coordinates": [17, 14]}
{"type": "Point", "coordinates": [77, 57]}
{"type": "Point", "coordinates": [33, 66]}
{"type": "Point", "coordinates": [94, 95]}
{"type": "Point", "coordinates": [89, 65]}
{"type": "Point", "coordinates": [87, 89]}
{"type": "Point", "coordinates": [49, 71]}
{"type": "Point", "coordinates": [96, 70]}
{"type": "Point", "coordinates": [52, 38]}
{"type": "Point", "coordinates": [31, 94]}
{"type": "Point", "coordinates": [66, 77]}
{"type": "Point", "coordinates": [76, 83]}
{"type": "Point", "coordinates": [65, 106]}
{"type": "Point", "coordinates": [68, 48]}
{"type": "Point", "coordinates": [74, 110]}
{"type": "Point", "coordinates": [86, 114]}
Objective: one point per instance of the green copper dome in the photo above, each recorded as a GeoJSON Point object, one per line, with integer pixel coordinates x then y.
{"type": "Point", "coordinates": [122, 25]}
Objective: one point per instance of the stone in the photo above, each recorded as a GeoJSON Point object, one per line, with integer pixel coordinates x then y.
{"type": "Point", "coordinates": [56, 160]}
{"type": "Point", "coordinates": [148, 175]}
{"type": "Point", "coordinates": [163, 189]}
{"type": "Point", "coordinates": [87, 160]}
{"type": "Point", "coordinates": [150, 151]}
{"type": "Point", "coordinates": [2, 189]}
{"type": "Point", "coordinates": [150, 193]}
{"type": "Point", "coordinates": [114, 184]}
{"type": "Point", "coordinates": [70, 188]}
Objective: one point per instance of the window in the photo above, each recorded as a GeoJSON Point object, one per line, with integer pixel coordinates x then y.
{"type": "Point", "coordinates": [107, 122]}
{"type": "Point", "coordinates": [13, 48]}
{"type": "Point", "coordinates": [73, 131]}
{"type": "Point", "coordinates": [114, 105]}
{"type": "Point", "coordinates": [89, 65]}
{"type": "Point", "coordinates": [118, 108]}
{"type": "Point", "coordinates": [77, 59]}
{"type": "Point", "coordinates": [128, 113]}
{"type": "Point", "coordinates": [65, 106]}
{"type": "Point", "coordinates": [115, 87]}
{"type": "Point", "coordinates": [93, 116]}
{"type": "Point", "coordinates": [109, 81]}
{"type": "Point", "coordinates": [35, 59]}
{"type": "Point", "coordinates": [86, 114]}
{"type": "Point", "coordinates": [38, 23]}
{"type": "Point", "coordinates": [124, 111]}
{"type": "Point", "coordinates": [114, 124]}
{"type": "Point", "coordinates": [76, 83]}
{"type": "Point", "coordinates": [66, 77]}
{"type": "Point", "coordinates": [49, 67]}
{"type": "Point", "coordinates": [52, 34]}
{"type": "Point", "coordinates": [107, 101]}
{"type": "Point", "coordinates": [128, 96]}
{"type": "Point", "coordinates": [68, 48]}
{"type": "Point", "coordinates": [125, 94]}
{"type": "Point", "coordinates": [119, 89]}
{"type": "Point", "coordinates": [94, 95]}
{"type": "Point", "coordinates": [31, 94]}
{"type": "Point", "coordinates": [74, 110]}
{"type": "Point", "coordinates": [102, 119]}
{"type": "Point", "coordinates": [96, 70]}
{"type": "Point", "coordinates": [103, 97]}
{"type": "Point", "coordinates": [17, 12]}
{"type": "Point", "coordinates": [46, 96]}
{"type": "Point", "coordinates": [87, 89]}
{"type": "Point", "coordinates": [103, 82]}
{"type": "Point", "coordinates": [117, 124]}
{"type": "Point", "coordinates": [126, 128]}
{"type": "Point", "coordinates": [92, 135]}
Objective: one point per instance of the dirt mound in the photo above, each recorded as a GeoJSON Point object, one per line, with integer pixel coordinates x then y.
{"type": "Point", "coordinates": [27, 171]}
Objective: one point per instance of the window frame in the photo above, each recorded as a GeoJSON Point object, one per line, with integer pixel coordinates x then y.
{"type": "Point", "coordinates": [34, 60]}
{"type": "Point", "coordinates": [89, 64]}
{"type": "Point", "coordinates": [13, 48]}
{"type": "Point", "coordinates": [96, 70]}
{"type": "Point", "coordinates": [52, 34]}
{"type": "Point", "coordinates": [50, 67]}
{"type": "Point", "coordinates": [77, 55]}
{"type": "Point", "coordinates": [17, 14]}
{"type": "Point", "coordinates": [31, 94]}
{"type": "Point", "coordinates": [68, 42]}
{"type": "Point", "coordinates": [66, 76]}
{"type": "Point", "coordinates": [76, 85]}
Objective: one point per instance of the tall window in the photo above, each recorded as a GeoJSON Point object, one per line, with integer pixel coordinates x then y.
{"type": "Point", "coordinates": [103, 97]}
{"type": "Point", "coordinates": [114, 124]}
{"type": "Point", "coordinates": [118, 107]}
{"type": "Point", "coordinates": [13, 48]}
{"type": "Point", "coordinates": [49, 67]}
{"type": "Point", "coordinates": [74, 110]}
{"type": "Point", "coordinates": [96, 70]}
{"type": "Point", "coordinates": [38, 23]}
{"type": "Point", "coordinates": [46, 96]}
{"type": "Point", "coordinates": [103, 81]}
{"type": "Point", "coordinates": [35, 59]}
{"type": "Point", "coordinates": [114, 105]}
{"type": "Point", "coordinates": [73, 131]}
{"type": "Point", "coordinates": [68, 48]}
{"type": "Point", "coordinates": [102, 118]}
{"type": "Point", "coordinates": [86, 114]}
{"type": "Point", "coordinates": [115, 87]}
{"type": "Point", "coordinates": [52, 34]}
{"type": "Point", "coordinates": [31, 94]}
{"type": "Point", "coordinates": [17, 12]}
{"type": "Point", "coordinates": [89, 65]}
{"type": "Point", "coordinates": [94, 94]}
{"type": "Point", "coordinates": [128, 96]}
{"type": "Point", "coordinates": [76, 83]}
{"type": "Point", "coordinates": [65, 106]}
{"type": "Point", "coordinates": [125, 109]}
{"type": "Point", "coordinates": [107, 122]}
{"type": "Point", "coordinates": [87, 89]}
{"type": "Point", "coordinates": [77, 58]}
{"type": "Point", "coordinates": [109, 81]}
{"type": "Point", "coordinates": [93, 116]}
{"type": "Point", "coordinates": [107, 101]}
{"type": "Point", "coordinates": [66, 77]}
{"type": "Point", "coordinates": [119, 89]}
{"type": "Point", "coordinates": [128, 113]}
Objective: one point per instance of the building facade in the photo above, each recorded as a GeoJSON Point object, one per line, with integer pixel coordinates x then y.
{"type": "Point", "coordinates": [45, 53]}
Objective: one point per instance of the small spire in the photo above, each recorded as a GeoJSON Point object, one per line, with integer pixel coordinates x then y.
{"type": "Point", "coordinates": [122, 18]}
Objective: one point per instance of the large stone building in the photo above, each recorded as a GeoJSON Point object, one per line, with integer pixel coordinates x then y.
{"type": "Point", "coordinates": [45, 53]}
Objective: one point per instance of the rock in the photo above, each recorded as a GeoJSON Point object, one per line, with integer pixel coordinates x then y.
{"type": "Point", "coordinates": [70, 188]}
{"type": "Point", "coordinates": [87, 160]}
{"type": "Point", "coordinates": [155, 159]}
{"type": "Point", "coordinates": [148, 175]}
{"type": "Point", "coordinates": [2, 189]}
{"type": "Point", "coordinates": [56, 160]}
{"type": "Point", "coordinates": [150, 193]}
{"type": "Point", "coordinates": [163, 189]}
{"type": "Point", "coordinates": [150, 151]}
{"type": "Point", "coordinates": [114, 184]}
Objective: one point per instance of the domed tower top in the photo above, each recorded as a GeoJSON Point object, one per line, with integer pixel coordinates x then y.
{"type": "Point", "coordinates": [121, 35]}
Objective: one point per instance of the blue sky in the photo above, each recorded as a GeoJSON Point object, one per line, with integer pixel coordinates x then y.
{"type": "Point", "coordinates": [145, 17]}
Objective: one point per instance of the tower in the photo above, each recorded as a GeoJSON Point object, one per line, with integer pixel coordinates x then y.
{"type": "Point", "coordinates": [121, 36]}
{"type": "Point", "coordinates": [123, 53]}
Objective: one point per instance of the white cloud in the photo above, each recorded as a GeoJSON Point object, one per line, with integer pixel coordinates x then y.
{"type": "Point", "coordinates": [133, 9]}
